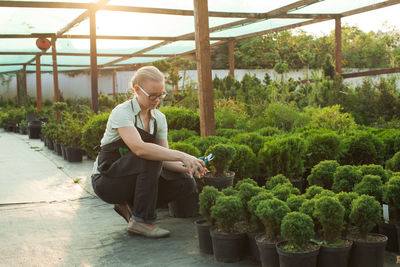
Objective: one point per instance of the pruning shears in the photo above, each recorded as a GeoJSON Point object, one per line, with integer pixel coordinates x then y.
{"type": "Point", "coordinates": [206, 159]}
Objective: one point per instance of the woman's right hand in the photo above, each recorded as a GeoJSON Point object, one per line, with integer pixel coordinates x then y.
{"type": "Point", "coordinates": [194, 165]}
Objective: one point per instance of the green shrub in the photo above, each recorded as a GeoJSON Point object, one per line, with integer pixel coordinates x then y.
{"type": "Point", "coordinates": [284, 155]}
{"type": "Point", "coordinates": [393, 164]}
{"type": "Point", "coordinates": [325, 193]}
{"type": "Point", "coordinates": [253, 140]}
{"type": "Point", "coordinates": [246, 180]}
{"type": "Point", "coordinates": [244, 162]}
{"type": "Point", "coordinates": [178, 118]}
{"type": "Point", "coordinates": [346, 199]}
{"type": "Point", "coordinates": [229, 191]}
{"type": "Point", "coordinates": [391, 195]}
{"type": "Point", "coordinates": [49, 130]}
{"type": "Point", "coordinates": [72, 132]}
{"type": "Point", "coordinates": [203, 143]}
{"type": "Point", "coordinates": [187, 148]}
{"type": "Point", "coordinates": [254, 201]}
{"type": "Point", "coordinates": [271, 213]}
{"type": "Point", "coordinates": [391, 141]}
{"type": "Point", "coordinates": [92, 132]}
{"type": "Point", "coordinates": [312, 191]}
{"type": "Point", "coordinates": [294, 202]}
{"type": "Point", "coordinates": [330, 214]}
{"type": "Point", "coordinates": [226, 212]}
{"type": "Point", "coordinates": [246, 192]}
{"type": "Point", "coordinates": [12, 117]}
{"type": "Point", "coordinates": [365, 214]}
{"type": "Point", "coordinates": [207, 199]}
{"type": "Point", "coordinates": [345, 178]}
{"type": "Point", "coordinates": [60, 106]}
{"type": "Point", "coordinates": [370, 185]}
{"type": "Point", "coordinates": [277, 179]}
{"type": "Point", "coordinates": [230, 114]}
{"type": "Point", "coordinates": [228, 133]}
{"type": "Point", "coordinates": [297, 229]}
{"type": "Point", "coordinates": [268, 131]}
{"type": "Point", "coordinates": [180, 135]}
{"type": "Point", "coordinates": [106, 103]}
{"type": "Point", "coordinates": [362, 148]}
{"type": "Point", "coordinates": [321, 147]}
{"type": "Point", "coordinates": [284, 117]}
{"type": "Point", "coordinates": [322, 174]}
{"type": "Point", "coordinates": [375, 170]}
{"type": "Point", "coordinates": [283, 191]}
{"type": "Point", "coordinates": [223, 155]}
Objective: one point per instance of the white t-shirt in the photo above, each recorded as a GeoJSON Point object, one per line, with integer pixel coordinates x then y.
{"type": "Point", "coordinates": [124, 115]}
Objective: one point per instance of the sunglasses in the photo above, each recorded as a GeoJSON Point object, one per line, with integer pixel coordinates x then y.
{"type": "Point", "coordinates": [153, 97]}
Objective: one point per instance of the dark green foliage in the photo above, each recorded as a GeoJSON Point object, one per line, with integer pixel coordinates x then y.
{"type": "Point", "coordinates": [391, 140]}
{"type": "Point", "coordinates": [283, 116]}
{"type": "Point", "coordinates": [254, 140]}
{"type": "Point", "coordinates": [269, 131]}
{"type": "Point", "coordinates": [324, 193]}
{"type": "Point", "coordinates": [92, 132]}
{"type": "Point", "coordinates": [246, 192]}
{"type": "Point", "coordinates": [230, 117]}
{"type": "Point", "coordinates": [393, 164]}
{"type": "Point", "coordinates": [345, 178]}
{"type": "Point", "coordinates": [50, 129]}
{"type": "Point", "coordinates": [312, 191]}
{"type": "Point", "coordinates": [370, 185]}
{"type": "Point", "coordinates": [277, 179]}
{"type": "Point", "coordinates": [244, 163]}
{"type": "Point", "coordinates": [207, 199]}
{"type": "Point", "coordinates": [330, 214]}
{"type": "Point", "coordinates": [12, 117]}
{"type": "Point", "coordinates": [363, 148]}
{"type": "Point", "coordinates": [228, 133]}
{"type": "Point", "coordinates": [60, 106]}
{"type": "Point", "coordinates": [226, 212]}
{"type": "Point", "coordinates": [375, 170]}
{"type": "Point", "coordinates": [365, 214]}
{"type": "Point", "coordinates": [246, 180]}
{"type": "Point", "coordinates": [321, 147]}
{"type": "Point", "coordinates": [203, 143]}
{"type": "Point", "coordinates": [229, 191]}
{"type": "Point", "coordinates": [391, 195]}
{"type": "Point", "coordinates": [322, 174]}
{"type": "Point", "coordinates": [283, 191]}
{"type": "Point", "coordinates": [283, 155]}
{"type": "Point", "coordinates": [294, 202]}
{"type": "Point", "coordinates": [223, 156]}
{"type": "Point", "coordinates": [297, 228]}
{"type": "Point", "coordinates": [180, 135]}
{"type": "Point", "coordinates": [252, 207]}
{"type": "Point", "coordinates": [271, 213]}
{"type": "Point", "coordinates": [72, 125]}
{"type": "Point", "coordinates": [178, 118]}
{"type": "Point", "coordinates": [187, 148]}
{"type": "Point", "coordinates": [346, 199]}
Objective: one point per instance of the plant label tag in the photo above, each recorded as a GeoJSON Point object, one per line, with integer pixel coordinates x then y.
{"type": "Point", "coordinates": [385, 213]}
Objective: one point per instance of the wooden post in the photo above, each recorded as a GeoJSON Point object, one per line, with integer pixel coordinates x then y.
{"type": "Point", "coordinates": [203, 58]}
{"type": "Point", "coordinates": [17, 76]}
{"type": "Point", "coordinates": [55, 76]}
{"type": "Point", "coordinates": [114, 82]}
{"type": "Point", "coordinates": [24, 89]}
{"type": "Point", "coordinates": [338, 45]}
{"type": "Point", "coordinates": [176, 89]}
{"type": "Point", "coordinates": [231, 45]}
{"type": "Point", "coordinates": [93, 61]}
{"type": "Point", "coordinates": [38, 83]}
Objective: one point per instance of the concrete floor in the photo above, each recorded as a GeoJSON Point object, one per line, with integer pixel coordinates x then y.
{"type": "Point", "coordinates": [51, 217]}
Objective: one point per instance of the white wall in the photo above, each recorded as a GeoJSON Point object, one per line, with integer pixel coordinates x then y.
{"type": "Point", "coordinates": [79, 85]}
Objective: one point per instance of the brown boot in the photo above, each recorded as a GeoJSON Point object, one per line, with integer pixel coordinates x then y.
{"type": "Point", "coordinates": [124, 210]}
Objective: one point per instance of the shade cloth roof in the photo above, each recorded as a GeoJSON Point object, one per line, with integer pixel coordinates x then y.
{"type": "Point", "coordinates": [144, 31]}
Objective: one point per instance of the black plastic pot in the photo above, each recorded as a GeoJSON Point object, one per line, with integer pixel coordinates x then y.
{"type": "Point", "coordinates": [50, 144]}
{"type": "Point", "coordinates": [368, 254]}
{"type": "Point", "coordinates": [203, 234]}
{"type": "Point", "coordinates": [390, 230]}
{"type": "Point", "coordinates": [268, 255]}
{"type": "Point", "coordinates": [34, 129]}
{"type": "Point", "coordinates": [254, 254]}
{"type": "Point", "coordinates": [57, 148]}
{"type": "Point", "coordinates": [334, 256]}
{"type": "Point", "coordinates": [219, 182]}
{"type": "Point", "coordinates": [64, 152]}
{"type": "Point", "coordinates": [293, 259]}
{"type": "Point", "coordinates": [229, 247]}
{"type": "Point", "coordinates": [184, 208]}
{"type": "Point", "coordinates": [74, 154]}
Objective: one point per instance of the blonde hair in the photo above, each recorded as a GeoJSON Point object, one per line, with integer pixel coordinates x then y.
{"type": "Point", "coordinates": [145, 74]}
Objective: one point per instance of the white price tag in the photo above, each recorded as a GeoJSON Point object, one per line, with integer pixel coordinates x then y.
{"type": "Point", "coordinates": [385, 208]}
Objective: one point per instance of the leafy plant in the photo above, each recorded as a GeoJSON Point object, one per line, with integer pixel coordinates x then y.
{"type": "Point", "coordinates": [245, 193]}
{"type": "Point", "coordinates": [346, 199]}
{"type": "Point", "coordinates": [370, 185]}
{"type": "Point", "coordinates": [312, 191]}
{"type": "Point", "coordinates": [271, 213]}
{"type": "Point", "coordinates": [204, 142]}
{"type": "Point", "coordinates": [277, 179]}
{"type": "Point", "coordinates": [283, 191]}
{"type": "Point", "coordinates": [226, 212]}
{"type": "Point", "coordinates": [294, 202]}
{"type": "Point", "coordinates": [284, 117]}
{"type": "Point", "coordinates": [252, 205]}
{"type": "Point", "coordinates": [187, 148]}
{"type": "Point", "coordinates": [254, 140]}
{"type": "Point", "coordinates": [180, 135]}
{"type": "Point", "coordinates": [393, 164]}
{"type": "Point", "coordinates": [229, 191]}
{"type": "Point", "coordinates": [320, 147]}
{"type": "Point", "coordinates": [391, 195]}
{"type": "Point", "coordinates": [297, 229]}
{"type": "Point", "coordinates": [228, 133]}
{"type": "Point", "coordinates": [223, 155]}
{"type": "Point", "coordinates": [246, 180]}
{"type": "Point", "coordinates": [365, 214]}
{"type": "Point", "coordinates": [322, 174]}
{"type": "Point", "coordinates": [244, 162]}
{"type": "Point", "coordinates": [92, 132]}
{"type": "Point", "coordinates": [330, 214]}
{"type": "Point", "coordinates": [207, 199]}
{"type": "Point", "coordinates": [268, 131]}
{"type": "Point", "coordinates": [345, 178]}
{"type": "Point", "coordinates": [178, 118]}
{"type": "Point", "coordinates": [375, 170]}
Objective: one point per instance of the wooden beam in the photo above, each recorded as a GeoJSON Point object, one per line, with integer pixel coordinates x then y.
{"type": "Point", "coordinates": [85, 54]}
{"type": "Point", "coordinates": [231, 46]}
{"type": "Point", "coordinates": [370, 73]}
{"type": "Point", "coordinates": [370, 7]}
{"type": "Point", "coordinates": [93, 61]}
{"type": "Point", "coordinates": [203, 58]}
{"type": "Point", "coordinates": [33, 4]}
{"type": "Point", "coordinates": [338, 45]}
{"type": "Point", "coordinates": [38, 83]}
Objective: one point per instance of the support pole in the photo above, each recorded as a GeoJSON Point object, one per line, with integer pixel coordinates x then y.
{"type": "Point", "coordinates": [231, 45]}
{"type": "Point", "coordinates": [38, 83]}
{"type": "Point", "coordinates": [114, 82]}
{"type": "Point", "coordinates": [25, 91]}
{"type": "Point", "coordinates": [203, 58]}
{"type": "Point", "coordinates": [338, 45]}
{"type": "Point", "coordinates": [17, 76]}
{"type": "Point", "coordinates": [93, 61]}
{"type": "Point", "coordinates": [55, 76]}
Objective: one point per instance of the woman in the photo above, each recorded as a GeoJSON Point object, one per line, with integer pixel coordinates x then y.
{"type": "Point", "coordinates": [135, 168]}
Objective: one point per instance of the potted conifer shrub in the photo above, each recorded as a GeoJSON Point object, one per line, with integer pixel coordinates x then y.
{"type": "Point", "coordinates": [346, 199]}
{"type": "Point", "coordinates": [207, 199]}
{"type": "Point", "coordinates": [322, 174]}
{"type": "Point", "coordinates": [228, 244]}
{"type": "Point", "coordinates": [334, 251]}
{"type": "Point", "coordinates": [220, 176]}
{"type": "Point", "coordinates": [368, 248]}
{"type": "Point", "coordinates": [391, 196]}
{"type": "Point", "coordinates": [271, 212]}
{"type": "Point", "coordinates": [297, 251]}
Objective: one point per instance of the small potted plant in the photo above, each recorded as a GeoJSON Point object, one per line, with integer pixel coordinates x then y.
{"type": "Point", "coordinates": [346, 199]}
{"type": "Point", "coordinates": [391, 196]}
{"type": "Point", "coordinates": [297, 229]}
{"type": "Point", "coordinates": [220, 176]}
{"type": "Point", "coordinates": [370, 185]}
{"type": "Point", "coordinates": [345, 177]}
{"type": "Point", "coordinates": [207, 199]}
{"type": "Point", "coordinates": [275, 180]}
{"type": "Point", "coordinates": [368, 248]}
{"type": "Point", "coordinates": [228, 244]}
{"type": "Point", "coordinates": [322, 174]}
{"type": "Point", "coordinates": [334, 251]}
{"type": "Point", "coordinates": [271, 212]}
